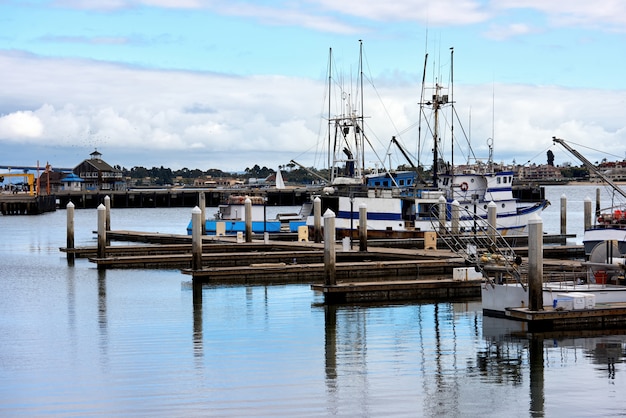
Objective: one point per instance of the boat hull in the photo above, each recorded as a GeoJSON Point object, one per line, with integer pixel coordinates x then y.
{"type": "Point", "coordinates": [496, 299]}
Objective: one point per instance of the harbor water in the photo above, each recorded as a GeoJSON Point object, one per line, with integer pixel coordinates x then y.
{"type": "Point", "coordinates": [76, 341]}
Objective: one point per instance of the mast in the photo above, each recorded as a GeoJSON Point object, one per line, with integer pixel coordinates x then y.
{"type": "Point", "coordinates": [362, 124]}
{"type": "Point", "coordinates": [452, 101]}
{"type": "Point", "coordinates": [330, 75]}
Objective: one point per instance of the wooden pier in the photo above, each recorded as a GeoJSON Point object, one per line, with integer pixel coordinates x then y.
{"type": "Point", "coordinates": [25, 204]}
{"type": "Point", "coordinates": [180, 197]}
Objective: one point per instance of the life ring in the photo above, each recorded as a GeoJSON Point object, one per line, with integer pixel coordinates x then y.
{"type": "Point", "coordinates": [464, 186]}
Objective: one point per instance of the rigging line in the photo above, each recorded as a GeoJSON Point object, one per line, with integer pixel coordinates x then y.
{"type": "Point", "coordinates": [469, 144]}
{"type": "Point", "coordinates": [594, 149]}
{"type": "Point", "coordinates": [539, 153]}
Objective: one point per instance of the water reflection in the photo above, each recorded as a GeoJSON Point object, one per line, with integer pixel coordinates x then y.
{"type": "Point", "coordinates": [424, 349]}
{"type": "Point", "coordinates": [102, 316]}
{"type": "Point", "coordinates": [509, 344]}
{"type": "Point", "coordinates": [198, 346]}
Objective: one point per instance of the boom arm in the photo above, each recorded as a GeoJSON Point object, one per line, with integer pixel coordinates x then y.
{"type": "Point", "coordinates": [588, 164]}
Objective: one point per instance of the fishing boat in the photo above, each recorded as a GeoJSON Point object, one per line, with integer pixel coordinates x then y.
{"type": "Point", "coordinates": [610, 222]}
{"type": "Point", "coordinates": [402, 204]}
{"type": "Point", "coordinates": [230, 218]}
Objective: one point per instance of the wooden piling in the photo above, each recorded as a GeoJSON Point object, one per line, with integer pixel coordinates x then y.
{"type": "Point", "coordinates": [456, 216]}
{"type": "Point", "coordinates": [107, 206]}
{"type": "Point", "coordinates": [587, 213]}
{"type": "Point", "coordinates": [248, 216]}
{"type": "Point", "coordinates": [442, 213]}
{"type": "Point", "coordinates": [70, 231]}
{"type": "Point", "coordinates": [317, 220]}
{"type": "Point", "coordinates": [563, 214]}
{"type": "Point", "coordinates": [330, 265]}
{"type": "Point", "coordinates": [196, 238]}
{"type": "Point", "coordinates": [362, 227]}
{"type": "Point", "coordinates": [535, 263]}
{"type": "Point", "coordinates": [202, 206]}
{"type": "Point", "coordinates": [107, 222]}
{"type": "Point", "coordinates": [491, 219]}
{"type": "Point", "coordinates": [102, 234]}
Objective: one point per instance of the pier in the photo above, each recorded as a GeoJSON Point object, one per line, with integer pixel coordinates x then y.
{"type": "Point", "coordinates": [180, 197]}
{"type": "Point", "coordinates": [26, 204]}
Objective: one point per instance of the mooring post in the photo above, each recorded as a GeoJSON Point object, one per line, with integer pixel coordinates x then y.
{"type": "Point", "coordinates": [107, 206]}
{"type": "Point", "coordinates": [455, 216]}
{"type": "Point", "coordinates": [330, 272]}
{"type": "Point", "coordinates": [202, 206]}
{"type": "Point", "coordinates": [587, 213]}
{"type": "Point", "coordinates": [248, 209]}
{"type": "Point", "coordinates": [492, 217]}
{"type": "Point", "coordinates": [70, 232]}
{"type": "Point", "coordinates": [317, 219]}
{"type": "Point", "coordinates": [442, 213]}
{"type": "Point", "coordinates": [196, 238]}
{"type": "Point", "coordinates": [535, 263]}
{"type": "Point", "coordinates": [102, 233]}
{"type": "Point", "coordinates": [362, 227]}
{"type": "Point", "coordinates": [563, 214]}
{"type": "Point", "coordinates": [597, 202]}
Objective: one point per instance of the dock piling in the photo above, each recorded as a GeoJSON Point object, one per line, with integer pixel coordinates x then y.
{"type": "Point", "coordinates": [330, 266]}
{"type": "Point", "coordinates": [456, 216]}
{"type": "Point", "coordinates": [317, 220]}
{"type": "Point", "coordinates": [107, 222]}
{"type": "Point", "coordinates": [102, 234]}
{"type": "Point", "coordinates": [107, 206]}
{"type": "Point", "coordinates": [491, 219]}
{"type": "Point", "coordinates": [535, 263]}
{"type": "Point", "coordinates": [362, 227]}
{"type": "Point", "coordinates": [563, 214]}
{"type": "Point", "coordinates": [70, 232]}
{"type": "Point", "coordinates": [248, 209]}
{"type": "Point", "coordinates": [196, 238]}
{"type": "Point", "coordinates": [202, 206]}
{"type": "Point", "coordinates": [587, 213]}
{"type": "Point", "coordinates": [442, 213]}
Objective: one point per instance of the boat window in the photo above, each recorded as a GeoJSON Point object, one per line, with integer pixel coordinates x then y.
{"type": "Point", "coordinates": [498, 180]}
{"type": "Point", "coordinates": [401, 182]}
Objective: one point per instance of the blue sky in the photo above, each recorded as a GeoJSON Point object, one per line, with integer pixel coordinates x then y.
{"type": "Point", "coordinates": [229, 84]}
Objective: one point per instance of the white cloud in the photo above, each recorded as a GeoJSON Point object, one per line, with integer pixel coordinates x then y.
{"type": "Point", "coordinates": [20, 125]}
{"type": "Point", "coordinates": [202, 120]}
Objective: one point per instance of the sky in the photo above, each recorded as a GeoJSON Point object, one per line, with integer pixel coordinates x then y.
{"type": "Point", "coordinates": [215, 84]}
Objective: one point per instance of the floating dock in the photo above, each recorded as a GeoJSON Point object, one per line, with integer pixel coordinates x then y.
{"type": "Point", "coordinates": [399, 290]}
{"type": "Point", "coordinates": [602, 316]}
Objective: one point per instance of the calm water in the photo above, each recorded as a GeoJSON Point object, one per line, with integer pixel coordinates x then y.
{"type": "Point", "coordinates": [79, 342]}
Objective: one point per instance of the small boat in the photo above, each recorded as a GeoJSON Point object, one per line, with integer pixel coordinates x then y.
{"type": "Point", "coordinates": [230, 218]}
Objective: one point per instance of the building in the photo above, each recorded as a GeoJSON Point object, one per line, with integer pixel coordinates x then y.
{"type": "Point", "coordinates": [615, 171]}
{"type": "Point", "coordinates": [98, 175]}
{"type": "Point", "coordinates": [543, 172]}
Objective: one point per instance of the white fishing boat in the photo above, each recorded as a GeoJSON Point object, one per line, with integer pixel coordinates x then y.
{"type": "Point", "coordinates": [402, 206]}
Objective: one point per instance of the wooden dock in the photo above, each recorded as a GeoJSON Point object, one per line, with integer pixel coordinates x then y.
{"type": "Point", "coordinates": [601, 317]}
{"type": "Point", "coordinates": [399, 290]}
{"type": "Point", "coordinates": [380, 274]}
